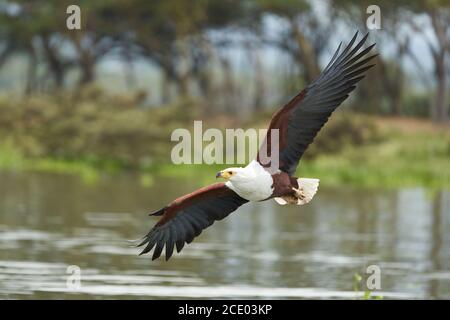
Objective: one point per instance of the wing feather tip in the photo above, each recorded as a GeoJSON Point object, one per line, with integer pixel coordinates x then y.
{"type": "Point", "coordinates": [159, 212]}
{"type": "Point", "coordinates": [145, 250]}
{"type": "Point", "coordinates": [144, 240]}
{"type": "Point", "coordinates": [157, 252]}
{"type": "Point", "coordinates": [168, 256]}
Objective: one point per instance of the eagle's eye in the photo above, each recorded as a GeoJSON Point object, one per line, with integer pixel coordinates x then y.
{"type": "Point", "coordinates": [230, 173]}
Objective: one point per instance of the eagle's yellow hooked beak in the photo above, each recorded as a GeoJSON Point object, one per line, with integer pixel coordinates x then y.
{"type": "Point", "coordinates": [226, 174]}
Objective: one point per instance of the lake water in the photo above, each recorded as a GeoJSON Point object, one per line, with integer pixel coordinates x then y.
{"type": "Point", "coordinates": [49, 222]}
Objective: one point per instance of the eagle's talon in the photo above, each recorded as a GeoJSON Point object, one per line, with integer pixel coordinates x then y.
{"type": "Point", "coordinates": [299, 193]}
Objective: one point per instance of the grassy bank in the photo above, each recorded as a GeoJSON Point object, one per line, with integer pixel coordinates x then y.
{"type": "Point", "coordinates": [89, 133]}
{"type": "Point", "coordinates": [418, 155]}
{"type": "Point", "coordinates": [412, 153]}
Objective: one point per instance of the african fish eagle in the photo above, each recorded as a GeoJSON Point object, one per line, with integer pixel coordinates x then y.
{"type": "Point", "coordinates": [298, 123]}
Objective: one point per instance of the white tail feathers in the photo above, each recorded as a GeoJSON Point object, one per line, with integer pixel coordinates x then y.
{"type": "Point", "coordinates": [280, 201]}
{"type": "Point", "coordinates": [307, 188]}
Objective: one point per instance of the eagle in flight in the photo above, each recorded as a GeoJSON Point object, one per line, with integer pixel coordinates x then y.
{"type": "Point", "coordinates": [298, 122]}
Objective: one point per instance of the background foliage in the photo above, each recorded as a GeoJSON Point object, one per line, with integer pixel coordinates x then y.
{"type": "Point", "coordinates": [111, 93]}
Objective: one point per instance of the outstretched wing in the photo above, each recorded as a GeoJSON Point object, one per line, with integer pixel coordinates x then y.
{"type": "Point", "coordinates": [300, 120]}
{"type": "Point", "coordinates": [186, 217]}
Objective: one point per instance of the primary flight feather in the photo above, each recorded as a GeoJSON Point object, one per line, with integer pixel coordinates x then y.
{"type": "Point", "coordinates": [298, 122]}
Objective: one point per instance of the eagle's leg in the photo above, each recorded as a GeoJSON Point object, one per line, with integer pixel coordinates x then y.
{"type": "Point", "coordinates": [299, 194]}
{"type": "Point", "coordinates": [290, 199]}
{"type": "Point", "coordinates": [305, 191]}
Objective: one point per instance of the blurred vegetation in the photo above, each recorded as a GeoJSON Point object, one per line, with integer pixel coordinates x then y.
{"type": "Point", "coordinates": [228, 63]}
{"type": "Point", "coordinates": [415, 155]}
{"type": "Point", "coordinates": [91, 126]}
{"type": "Point", "coordinates": [110, 130]}
{"type": "Point", "coordinates": [108, 133]}
{"type": "Point", "coordinates": [239, 56]}
{"type": "Point", "coordinates": [346, 129]}
{"type": "Point", "coordinates": [367, 295]}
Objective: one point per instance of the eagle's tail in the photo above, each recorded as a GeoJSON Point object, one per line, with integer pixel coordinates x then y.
{"type": "Point", "coordinates": [309, 188]}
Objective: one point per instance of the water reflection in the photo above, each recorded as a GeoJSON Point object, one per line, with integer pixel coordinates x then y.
{"type": "Point", "coordinates": [48, 222]}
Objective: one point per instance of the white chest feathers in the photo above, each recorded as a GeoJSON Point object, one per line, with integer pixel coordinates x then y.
{"type": "Point", "coordinates": [253, 182]}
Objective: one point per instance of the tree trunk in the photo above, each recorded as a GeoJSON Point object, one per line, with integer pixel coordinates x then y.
{"type": "Point", "coordinates": [165, 88]}
{"type": "Point", "coordinates": [31, 72]}
{"type": "Point", "coordinates": [306, 55]}
{"type": "Point", "coordinates": [6, 53]}
{"type": "Point", "coordinates": [199, 69]}
{"type": "Point", "coordinates": [56, 66]}
{"type": "Point", "coordinates": [87, 72]}
{"type": "Point", "coordinates": [441, 113]}
{"type": "Point", "coordinates": [182, 82]}
{"type": "Point", "coordinates": [258, 99]}
{"type": "Point", "coordinates": [168, 78]}
{"type": "Point", "coordinates": [86, 63]}
{"type": "Point", "coordinates": [439, 22]}
{"type": "Point", "coordinates": [229, 90]}
{"type": "Point", "coordinates": [130, 77]}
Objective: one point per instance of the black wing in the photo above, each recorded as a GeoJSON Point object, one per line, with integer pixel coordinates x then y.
{"type": "Point", "coordinates": [186, 217]}
{"type": "Point", "coordinates": [300, 120]}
